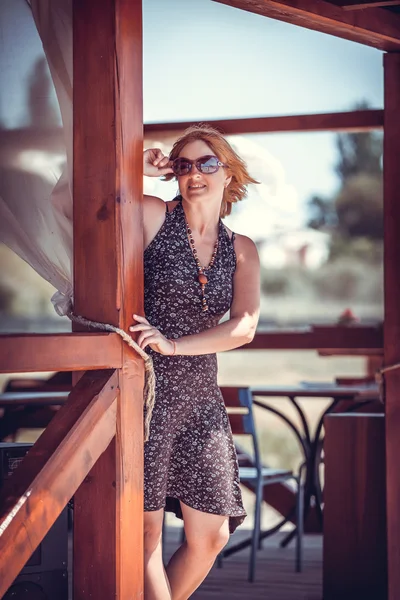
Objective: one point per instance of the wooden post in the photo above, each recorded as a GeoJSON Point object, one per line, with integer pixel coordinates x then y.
{"type": "Point", "coordinates": [355, 564]}
{"type": "Point", "coordinates": [108, 281]}
{"type": "Point", "coordinates": [392, 311]}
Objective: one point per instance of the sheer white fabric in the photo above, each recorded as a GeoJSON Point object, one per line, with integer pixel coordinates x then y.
{"type": "Point", "coordinates": [36, 138]}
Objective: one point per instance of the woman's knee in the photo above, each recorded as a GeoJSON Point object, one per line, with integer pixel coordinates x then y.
{"type": "Point", "coordinates": [209, 543]}
{"type": "Point", "coordinates": [153, 521]}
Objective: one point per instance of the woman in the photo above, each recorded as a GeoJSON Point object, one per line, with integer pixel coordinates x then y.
{"type": "Point", "coordinates": [196, 270]}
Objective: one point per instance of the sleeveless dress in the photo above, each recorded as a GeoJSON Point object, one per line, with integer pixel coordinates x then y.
{"type": "Point", "coordinates": [190, 454]}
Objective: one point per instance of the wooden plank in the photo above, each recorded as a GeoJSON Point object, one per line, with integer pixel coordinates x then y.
{"type": "Point", "coordinates": [358, 120]}
{"type": "Point", "coordinates": [53, 469]}
{"type": "Point", "coordinates": [95, 175]}
{"type": "Point", "coordinates": [364, 339]}
{"type": "Point", "coordinates": [391, 183]}
{"type": "Point", "coordinates": [375, 27]}
{"type": "Point", "coordinates": [276, 577]}
{"type": "Point", "coordinates": [355, 561]}
{"type": "Point", "coordinates": [83, 351]}
{"type": "Point", "coordinates": [107, 218]}
{"type": "Point", "coordinates": [366, 352]}
{"type": "Point", "coordinates": [129, 440]}
{"type": "Point", "coordinates": [94, 189]}
{"type": "Point", "coordinates": [59, 352]}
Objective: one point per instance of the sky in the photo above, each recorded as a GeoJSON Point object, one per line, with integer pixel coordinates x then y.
{"type": "Point", "coordinates": [205, 60]}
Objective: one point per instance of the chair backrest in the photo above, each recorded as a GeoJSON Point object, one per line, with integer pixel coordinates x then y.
{"type": "Point", "coordinates": [239, 406]}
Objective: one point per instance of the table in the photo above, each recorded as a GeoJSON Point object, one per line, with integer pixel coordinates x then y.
{"type": "Point", "coordinates": [28, 409]}
{"type": "Point", "coordinates": [311, 444]}
{"type": "Point", "coordinates": [9, 399]}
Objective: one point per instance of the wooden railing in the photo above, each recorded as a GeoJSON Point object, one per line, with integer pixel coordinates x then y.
{"type": "Point", "coordinates": [24, 353]}
{"type": "Point", "coordinates": [54, 468]}
{"type": "Point", "coordinates": [83, 351]}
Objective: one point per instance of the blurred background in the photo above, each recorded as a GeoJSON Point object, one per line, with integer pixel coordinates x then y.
{"type": "Point", "coordinates": [316, 216]}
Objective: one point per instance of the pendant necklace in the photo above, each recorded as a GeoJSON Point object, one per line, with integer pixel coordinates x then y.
{"type": "Point", "coordinates": [202, 277]}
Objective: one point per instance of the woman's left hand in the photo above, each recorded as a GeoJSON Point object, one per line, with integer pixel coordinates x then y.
{"type": "Point", "coordinates": [151, 336]}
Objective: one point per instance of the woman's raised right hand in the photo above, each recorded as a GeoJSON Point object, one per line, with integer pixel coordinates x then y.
{"type": "Point", "coordinates": [155, 163]}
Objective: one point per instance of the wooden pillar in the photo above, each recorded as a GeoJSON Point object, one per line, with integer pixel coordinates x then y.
{"type": "Point", "coordinates": [108, 282]}
{"type": "Point", "coordinates": [392, 311]}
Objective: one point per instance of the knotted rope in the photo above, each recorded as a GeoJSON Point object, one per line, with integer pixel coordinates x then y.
{"type": "Point", "coordinates": [149, 377]}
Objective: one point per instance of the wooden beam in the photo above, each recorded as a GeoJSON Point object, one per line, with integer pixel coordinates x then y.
{"type": "Point", "coordinates": [358, 120]}
{"type": "Point", "coordinates": [53, 469]}
{"type": "Point", "coordinates": [129, 438]}
{"type": "Point", "coordinates": [354, 339]}
{"type": "Point", "coordinates": [86, 351]}
{"type": "Point", "coordinates": [375, 27]}
{"type": "Point", "coordinates": [391, 183]}
{"type": "Point", "coordinates": [357, 5]}
{"type": "Point", "coordinates": [59, 352]}
{"type": "Point", "coordinates": [108, 281]}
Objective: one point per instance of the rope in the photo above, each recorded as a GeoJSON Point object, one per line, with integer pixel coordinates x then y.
{"type": "Point", "coordinates": [380, 378]}
{"type": "Point", "coordinates": [149, 377]}
{"type": "Point", "coordinates": [393, 367]}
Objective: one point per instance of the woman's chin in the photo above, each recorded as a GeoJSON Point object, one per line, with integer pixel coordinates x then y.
{"type": "Point", "coordinates": [197, 192]}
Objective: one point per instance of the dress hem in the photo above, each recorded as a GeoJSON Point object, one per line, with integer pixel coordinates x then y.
{"type": "Point", "coordinates": [235, 520]}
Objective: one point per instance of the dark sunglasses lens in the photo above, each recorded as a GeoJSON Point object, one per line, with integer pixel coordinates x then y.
{"type": "Point", "coordinates": [208, 164]}
{"type": "Point", "coordinates": [181, 166]}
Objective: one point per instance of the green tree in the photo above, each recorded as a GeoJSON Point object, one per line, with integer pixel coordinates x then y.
{"type": "Point", "coordinates": [359, 207]}
{"type": "Point", "coordinates": [322, 213]}
{"type": "Point", "coordinates": [356, 210]}
{"type": "Point", "coordinates": [359, 152]}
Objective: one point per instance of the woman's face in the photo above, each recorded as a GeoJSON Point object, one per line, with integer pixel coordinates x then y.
{"type": "Point", "coordinates": [196, 185]}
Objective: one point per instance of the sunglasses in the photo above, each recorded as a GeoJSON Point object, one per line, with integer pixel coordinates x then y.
{"type": "Point", "coordinates": [205, 164]}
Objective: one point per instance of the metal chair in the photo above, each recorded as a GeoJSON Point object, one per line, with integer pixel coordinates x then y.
{"type": "Point", "coordinates": [239, 404]}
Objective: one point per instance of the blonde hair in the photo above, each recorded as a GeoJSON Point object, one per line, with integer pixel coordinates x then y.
{"type": "Point", "coordinates": [235, 166]}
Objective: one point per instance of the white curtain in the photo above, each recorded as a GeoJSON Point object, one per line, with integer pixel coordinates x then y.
{"type": "Point", "coordinates": [36, 138]}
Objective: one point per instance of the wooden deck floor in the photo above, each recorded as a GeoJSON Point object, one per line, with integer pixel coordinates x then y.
{"type": "Point", "coordinates": [276, 578]}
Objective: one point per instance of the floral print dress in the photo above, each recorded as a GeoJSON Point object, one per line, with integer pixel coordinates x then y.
{"type": "Point", "coordinates": [190, 455]}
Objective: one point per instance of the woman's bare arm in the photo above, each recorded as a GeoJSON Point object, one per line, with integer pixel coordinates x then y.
{"type": "Point", "coordinates": [155, 164]}
{"type": "Point", "coordinates": [153, 217]}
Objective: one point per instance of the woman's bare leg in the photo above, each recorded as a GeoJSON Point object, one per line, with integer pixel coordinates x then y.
{"type": "Point", "coordinates": [156, 585]}
{"type": "Point", "coordinates": [206, 535]}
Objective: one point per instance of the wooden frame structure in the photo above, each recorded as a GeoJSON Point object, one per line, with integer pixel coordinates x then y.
{"type": "Point", "coordinates": [357, 120]}
{"type": "Point", "coordinates": [93, 448]}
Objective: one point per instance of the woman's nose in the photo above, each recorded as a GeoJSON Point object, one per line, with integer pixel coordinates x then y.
{"type": "Point", "coordinates": [194, 170]}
